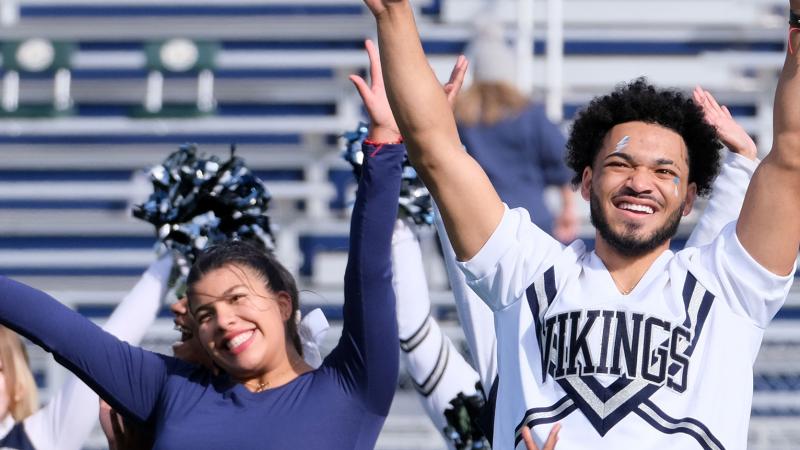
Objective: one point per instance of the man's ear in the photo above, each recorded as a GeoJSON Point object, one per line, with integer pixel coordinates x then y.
{"type": "Point", "coordinates": [586, 183]}
{"type": "Point", "coordinates": [691, 196]}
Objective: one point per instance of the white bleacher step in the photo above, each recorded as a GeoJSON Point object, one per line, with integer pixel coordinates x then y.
{"type": "Point", "coordinates": [682, 71]}
{"type": "Point", "coordinates": [66, 156]}
{"type": "Point", "coordinates": [75, 258]}
{"type": "Point", "coordinates": [178, 3]}
{"type": "Point", "coordinates": [131, 91]}
{"type": "Point", "coordinates": [773, 433]}
{"type": "Point", "coordinates": [780, 400]}
{"type": "Point", "coordinates": [715, 69]}
{"type": "Point", "coordinates": [121, 190]}
{"type": "Point", "coordinates": [234, 59]}
{"type": "Point", "coordinates": [328, 268]}
{"type": "Point", "coordinates": [622, 13]}
{"type": "Point", "coordinates": [71, 223]}
{"type": "Point", "coordinates": [408, 426]}
{"type": "Point", "coordinates": [136, 28]}
{"type": "Point", "coordinates": [111, 126]}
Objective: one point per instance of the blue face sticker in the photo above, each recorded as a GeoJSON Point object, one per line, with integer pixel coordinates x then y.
{"type": "Point", "coordinates": [677, 181]}
{"type": "Point", "coordinates": [622, 144]}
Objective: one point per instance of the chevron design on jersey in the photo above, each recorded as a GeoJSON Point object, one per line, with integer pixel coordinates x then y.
{"type": "Point", "coordinates": [603, 406]}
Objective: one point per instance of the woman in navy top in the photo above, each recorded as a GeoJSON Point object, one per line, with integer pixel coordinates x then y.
{"type": "Point", "coordinates": [266, 397]}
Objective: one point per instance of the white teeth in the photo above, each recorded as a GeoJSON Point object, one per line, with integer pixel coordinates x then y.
{"type": "Point", "coordinates": [186, 333]}
{"type": "Point", "coordinates": [239, 339]}
{"type": "Point", "coordinates": [639, 208]}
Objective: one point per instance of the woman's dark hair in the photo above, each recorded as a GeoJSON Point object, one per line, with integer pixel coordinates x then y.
{"type": "Point", "coordinates": [263, 263]}
{"type": "Point", "coordinates": [640, 101]}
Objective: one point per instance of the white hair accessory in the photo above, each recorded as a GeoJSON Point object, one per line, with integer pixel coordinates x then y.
{"type": "Point", "coordinates": [312, 329]}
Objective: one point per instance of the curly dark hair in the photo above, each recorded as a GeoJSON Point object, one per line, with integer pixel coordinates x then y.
{"type": "Point", "coordinates": [643, 102]}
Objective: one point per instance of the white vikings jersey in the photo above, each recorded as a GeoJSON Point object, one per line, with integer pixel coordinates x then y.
{"type": "Point", "coordinates": [667, 366]}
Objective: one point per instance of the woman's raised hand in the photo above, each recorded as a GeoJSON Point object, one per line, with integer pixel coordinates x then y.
{"type": "Point", "coordinates": [383, 127]}
{"type": "Point", "coordinates": [379, 6]}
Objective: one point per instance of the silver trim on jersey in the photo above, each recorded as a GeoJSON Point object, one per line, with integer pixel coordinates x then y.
{"type": "Point", "coordinates": [413, 341]}
{"type": "Point", "coordinates": [544, 415]}
{"type": "Point", "coordinates": [681, 425]}
{"type": "Point", "coordinates": [436, 375]}
{"type": "Point", "coordinates": [604, 409]}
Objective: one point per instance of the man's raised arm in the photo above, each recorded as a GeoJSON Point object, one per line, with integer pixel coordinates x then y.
{"type": "Point", "coordinates": [469, 204]}
{"type": "Point", "coordinates": [769, 225]}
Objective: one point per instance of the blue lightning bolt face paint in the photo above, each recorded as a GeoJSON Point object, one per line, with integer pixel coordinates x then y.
{"type": "Point", "coordinates": [677, 181]}
{"type": "Point", "coordinates": [622, 144]}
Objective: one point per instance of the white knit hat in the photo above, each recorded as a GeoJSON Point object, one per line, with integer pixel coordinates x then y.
{"type": "Point", "coordinates": [491, 57]}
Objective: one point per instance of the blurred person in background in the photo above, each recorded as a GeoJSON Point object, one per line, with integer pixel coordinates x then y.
{"type": "Point", "coordinates": [512, 139]}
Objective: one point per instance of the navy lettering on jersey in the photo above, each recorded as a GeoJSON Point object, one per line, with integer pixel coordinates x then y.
{"type": "Point", "coordinates": [680, 337]}
{"type": "Point", "coordinates": [642, 347]}
{"type": "Point", "coordinates": [626, 344]}
{"type": "Point", "coordinates": [578, 343]}
{"type": "Point", "coordinates": [607, 318]}
{"type": "Point", "coordinates": [646, 352]}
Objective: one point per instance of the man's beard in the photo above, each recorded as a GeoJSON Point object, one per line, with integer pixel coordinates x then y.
{"type": "Point", "coordinates": [628, 244]}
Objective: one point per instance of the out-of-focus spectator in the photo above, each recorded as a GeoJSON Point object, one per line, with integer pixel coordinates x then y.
{"type": "Point", "coordinates": [511, 137]}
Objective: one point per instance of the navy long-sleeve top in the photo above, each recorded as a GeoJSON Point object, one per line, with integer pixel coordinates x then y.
{"type": "Point", "coordinates": [340, 405]}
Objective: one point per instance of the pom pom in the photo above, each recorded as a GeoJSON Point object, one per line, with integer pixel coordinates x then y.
{"type": "Point", "coordinates": [463, 429]}
{"type": "Point", "coordinates": [415, 199]}
{"type": "Point", "coordinates": [199, 201]}
{"type": "Point", "coordinates": [352, 152]}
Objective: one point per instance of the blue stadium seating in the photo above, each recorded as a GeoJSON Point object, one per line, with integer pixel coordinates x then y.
{"type": "Point", "coordinates": [281, 70]}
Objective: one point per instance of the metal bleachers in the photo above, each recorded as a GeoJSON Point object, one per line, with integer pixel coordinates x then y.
{"type": "Point", "coordinates": [281, 93]}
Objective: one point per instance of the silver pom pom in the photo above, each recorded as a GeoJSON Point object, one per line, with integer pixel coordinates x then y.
{"type": "Point", "coordinates": [198, 201]}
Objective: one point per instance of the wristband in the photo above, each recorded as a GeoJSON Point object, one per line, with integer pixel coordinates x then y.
{"type": "Point", "coordinates": [379, 145]}
{"type": "Point", "coordinates": [369, 141]}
